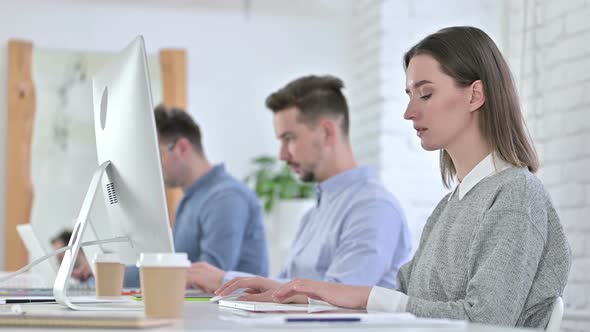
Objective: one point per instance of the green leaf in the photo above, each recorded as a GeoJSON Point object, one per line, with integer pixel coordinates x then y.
{"type": "Point", "coordinates": [271, 182]}
{"type": "Point", "coordinates": [265, 161]}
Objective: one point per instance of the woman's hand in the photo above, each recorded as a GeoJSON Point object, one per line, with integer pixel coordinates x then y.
{"type": "Point", "coordinates": [257, 289]}
{"type": "Point", "coordinates": [335, 294]}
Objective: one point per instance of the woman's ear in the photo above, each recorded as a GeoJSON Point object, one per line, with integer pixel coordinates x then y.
{"type": "Point", "coordinates": [478, 96]}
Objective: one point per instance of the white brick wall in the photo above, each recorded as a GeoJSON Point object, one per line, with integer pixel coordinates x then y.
{"type": "Point", "coordinates": [363, 90]}
{"type": "Point", "coordinates": [547, 44]}
{"type": "Point", "coordinates": [550, 54]}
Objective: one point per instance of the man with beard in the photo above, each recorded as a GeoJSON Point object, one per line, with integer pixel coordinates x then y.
{"type": "Point", "coordinates": [357, 232]}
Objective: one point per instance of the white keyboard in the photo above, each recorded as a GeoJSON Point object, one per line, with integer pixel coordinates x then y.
{"type": "Point", "coordinates": [24, 280]}
{"type": "Point", "coordinates": [34, 285]}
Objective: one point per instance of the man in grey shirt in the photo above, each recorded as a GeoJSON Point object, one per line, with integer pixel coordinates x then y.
{"type": "Point", "coordinates": [357, 233]}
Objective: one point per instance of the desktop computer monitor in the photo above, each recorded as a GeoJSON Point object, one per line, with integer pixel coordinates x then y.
{"type": "Point", "coordinates": [129, 170]}
{"type": "Point", "coordinates": [133, 186]}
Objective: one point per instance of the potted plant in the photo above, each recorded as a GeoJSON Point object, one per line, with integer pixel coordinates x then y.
{"type": "Point", "coordinates": [285, 200]}
{"type": "Point", "coordinates": [273, 183]}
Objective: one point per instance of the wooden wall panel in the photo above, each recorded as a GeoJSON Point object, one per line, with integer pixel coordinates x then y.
{"type": "Point", "coordinates": [174, 91]}
{"type": "Point", "coordinates": [21, 116]}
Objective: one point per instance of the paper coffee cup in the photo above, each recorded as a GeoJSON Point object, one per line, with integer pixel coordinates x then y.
{"type": "Point", "coordinates": [163, 280]}
{"type": "Point", "coordinates": [109, 274]}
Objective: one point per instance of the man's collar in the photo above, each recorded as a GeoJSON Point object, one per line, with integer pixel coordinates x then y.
{"type": "Point", "coordinates": [337, 183]}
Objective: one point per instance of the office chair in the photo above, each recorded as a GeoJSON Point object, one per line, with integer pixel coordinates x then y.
{"type": "Point", "coordinates": [556, 316]}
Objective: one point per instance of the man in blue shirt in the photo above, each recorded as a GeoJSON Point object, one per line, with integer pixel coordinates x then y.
{"type": "Point", "coordinates": [357, 232]}
{"type": "Point", "coordinates": [219, 219]}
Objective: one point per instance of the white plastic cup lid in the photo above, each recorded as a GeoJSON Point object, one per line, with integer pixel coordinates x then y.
{"type": "Point", "coordinates": [179, 259]}
{"type": "Point", "coordinates": [107, 258]}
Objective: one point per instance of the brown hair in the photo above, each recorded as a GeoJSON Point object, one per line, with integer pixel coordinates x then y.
{"type": "Point", "coordinates": [315, 97]}
{"type": "Point", "coordinates": [64, 236]}
{"type": "Point", "coordinates": [173, 123]}
{"type": "Point", "coordinates": [468, 54]}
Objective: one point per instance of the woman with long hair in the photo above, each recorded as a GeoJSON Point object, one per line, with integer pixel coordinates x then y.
{"type": "Point", "coordinates": [493, 251]}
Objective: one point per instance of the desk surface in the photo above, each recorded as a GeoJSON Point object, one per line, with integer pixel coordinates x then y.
{"type": "Point", "coordinates": [206, 316]}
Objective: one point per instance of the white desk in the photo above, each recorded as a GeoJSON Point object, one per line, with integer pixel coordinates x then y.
{"type": "Point", "coordinates": [206, 316]}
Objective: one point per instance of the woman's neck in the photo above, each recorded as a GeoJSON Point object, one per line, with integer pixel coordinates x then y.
{"type": "Point", "coordinates": [468, 152]}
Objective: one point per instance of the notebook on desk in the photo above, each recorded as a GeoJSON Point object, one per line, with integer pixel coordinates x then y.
{"type": "Point", "coordinates": [335, 315]}
{"type": "Point", "coordinates": [9, 317]}
{"type": "Point", "coordinates": [74, 291]}
{"type": "Point", "coordinates": [86, 321]}
{"type": "Point", "coordinates": [315, 315]}
{"type": "Point", "coordinates": [189, 295]}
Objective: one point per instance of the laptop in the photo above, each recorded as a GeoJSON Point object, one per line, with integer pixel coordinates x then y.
{"type": "Point", "coordinates": [48, 268]}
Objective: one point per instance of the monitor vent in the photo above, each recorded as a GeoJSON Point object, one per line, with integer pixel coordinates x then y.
{"type": "Point", "coordinates": [112, 193]}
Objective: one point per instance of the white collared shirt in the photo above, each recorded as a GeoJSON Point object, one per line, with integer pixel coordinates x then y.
{"type": "Point", "coordinates": [384, 299]}
{"type": "Point", "coordinates": [489, 165]}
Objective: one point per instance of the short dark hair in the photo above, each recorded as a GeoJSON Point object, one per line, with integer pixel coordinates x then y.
{"type": "Point", "coordinates": [64, 236]}
{"type": "Point", "coordinates": [173, 123]}
{"type": "Point", "coordinates": [315, 97]}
